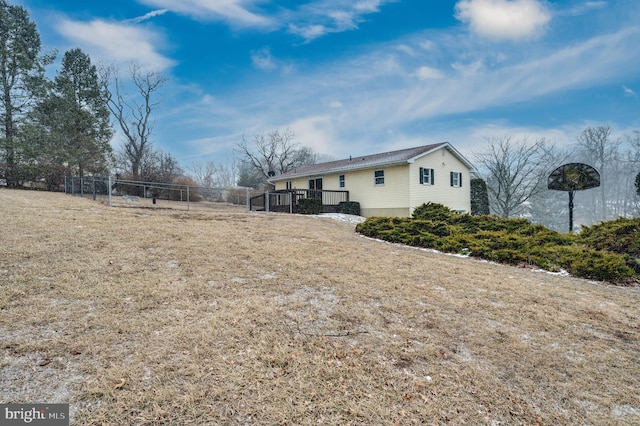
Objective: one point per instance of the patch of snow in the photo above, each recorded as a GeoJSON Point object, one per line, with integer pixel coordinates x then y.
{"type": "Point", "coordinates": [349, 218]}
{"type": "Point", "coordinates": [561, 273]}
{"type": "Point", "coordinates": [625, 410]}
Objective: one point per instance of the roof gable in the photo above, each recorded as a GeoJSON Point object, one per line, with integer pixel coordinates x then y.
{"type": "Point", "coordinates": [403, 156]}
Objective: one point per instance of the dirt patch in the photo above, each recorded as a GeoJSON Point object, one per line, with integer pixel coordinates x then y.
{"type": "Point", "coordinates": [147, 317]}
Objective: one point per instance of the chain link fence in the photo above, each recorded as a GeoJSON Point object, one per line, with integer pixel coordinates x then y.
{"type": "Point", "coordinates": [128, 193]}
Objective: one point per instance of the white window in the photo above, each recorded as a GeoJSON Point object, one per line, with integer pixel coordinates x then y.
{"type": "Point", "coordinates": [379, 177]}
{"type": "Point", "coordinates": [288, 183]}
{"type": "Point", "coordinates": [341, 181]}
{"type": "Point", "coordinates": [456, 179]}
{"type": "Point", "coordinates": [426, 176]}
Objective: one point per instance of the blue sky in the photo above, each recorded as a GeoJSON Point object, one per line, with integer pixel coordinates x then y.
{"type": "Point", "coordinates": [354, 77]}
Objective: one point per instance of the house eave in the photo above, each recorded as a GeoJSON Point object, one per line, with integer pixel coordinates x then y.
{"type": "Point", "coordinates": [335, 171]}
{"type": "Point", "coordinates": [352, 164]}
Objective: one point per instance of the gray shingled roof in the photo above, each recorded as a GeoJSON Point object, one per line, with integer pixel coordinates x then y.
{"type": "Point", "coordinates": [402, 156]}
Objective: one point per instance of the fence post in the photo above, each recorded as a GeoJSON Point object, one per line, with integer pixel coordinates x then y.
{"type": "Point", "coordinates": [110, 202]}
{"type": "Point", "coordinates": [248, 205]}
{"type": "Point", "coordinates": [187, 198]}
{"type": "Point", "coordinates": [266, 202]}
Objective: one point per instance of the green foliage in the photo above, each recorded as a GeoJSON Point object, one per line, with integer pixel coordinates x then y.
{"type": "Point", "coordinates": [349, 207]}
{"type": "Point", "coordinates": [309, 206]}
{"type": "Point", "coordinates": [619, 236]}
{"type": "Point", "coordinates": [598, 264]}
{"type": "Point", "coordinates": [479, 197]}
{"type": "Point", "coordinates": [605, 252]}
{"type": "Point", "coordinates": [75, 118]}
{"type": "Point", "coordinates": [432, 211]}
{"type": "Point", "coordinates": [22, 70]}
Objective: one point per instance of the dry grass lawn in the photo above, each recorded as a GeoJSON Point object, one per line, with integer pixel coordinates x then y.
{"type": "Point", "coordinates": [170, 317]}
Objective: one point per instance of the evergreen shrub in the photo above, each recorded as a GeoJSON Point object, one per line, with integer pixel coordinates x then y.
{"type": "Point", "coordinates": [309, 206]}
{"type": "Point", "coordinates": [349, 207]}
{"type": "Point", "coordinates": [606, 252]}
{"type": "Point", "coordinates": [619, 236]}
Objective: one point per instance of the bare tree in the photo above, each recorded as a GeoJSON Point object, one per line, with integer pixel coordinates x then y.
{"type": "Point", "coordinates": [133, 111]}
{"type": "Point", "coordinates": [275, 152]}
{"type": "Point", "coordinates": [602, 152]}
{"type": "Point", "coordinates": [214, 175]}
{"type": "Point", "coordinates": [515, 171]}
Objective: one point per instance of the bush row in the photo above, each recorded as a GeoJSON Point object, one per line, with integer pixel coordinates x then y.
{"type": "Point", "coordinates": [595, 254]}
{"type": "Point", "coordinates": [309, 206]}
{"type": "Point", "coordinates": [349, 207]}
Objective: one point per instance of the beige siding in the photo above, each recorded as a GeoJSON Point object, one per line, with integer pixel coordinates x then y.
{"type": "Point", "coordinates": [393, 194]}
{"type": "Point", "coordinates": [442, 162]}
{"type": "Point", "coordinates": [300, 183]}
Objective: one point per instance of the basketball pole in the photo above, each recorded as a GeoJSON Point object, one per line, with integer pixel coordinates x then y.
{"type": "Point", "coordinates": [571, 192]}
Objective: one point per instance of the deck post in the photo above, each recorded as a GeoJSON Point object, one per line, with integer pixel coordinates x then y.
{"type": "Point", "coordinates": [266, 202]}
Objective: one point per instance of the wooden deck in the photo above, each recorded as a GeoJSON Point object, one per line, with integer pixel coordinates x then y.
{"type": "Point", "coordinates": [287, 200]}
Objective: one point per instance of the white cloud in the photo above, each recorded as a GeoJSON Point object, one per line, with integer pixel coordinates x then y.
{"type": "Point", "coordinates": [596, 61]}
{"type": "Point", "coordinates": [628, 92]}
{"type": "Point", "coordinates": [381, 98]}
{"type": "Point", "coordinates": [427, 45]}
{"type": "Point", "coordinates": [406, 49]}
{"type": "Point", "coordinates": [316, 132]}
{"type": "Point", "coordinates": [504, 19]}
{"type": "Point", "coordinates": [147, 16]}
{"type": "Point", "coordinates": [233, 11]}
{"type": "Point", "coordinates": [585, 7]}
{"type": "Point", "coordinates": [116, 42]}
{"type": "Point", "coordinates": [308, 32]}
{"type": "Point", "coordinates": [428, 73]}
{"type": "Point", "coordinates": [310, 20]}
{"type": "Point", "coordinates": [468, 69]}
{"type": "Point", "coordinates": [321, 17]}
{"type": "Point", "coordinates": [262, 59]}
{"type": "Point", "coordinates": [368, 6]}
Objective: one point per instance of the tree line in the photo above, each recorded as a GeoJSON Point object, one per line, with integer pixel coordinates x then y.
{"type": "Point", "coordinates": [516, 173]}
{"type": "Point", "coordinates": [50, 128]}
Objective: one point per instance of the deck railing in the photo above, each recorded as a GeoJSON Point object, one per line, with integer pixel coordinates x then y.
{"type": "Point", "coordinates": [286, 200]}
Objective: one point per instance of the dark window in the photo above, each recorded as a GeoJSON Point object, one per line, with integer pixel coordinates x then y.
{"type": "Point", "coordinates": [315, 188]}
{"type": "Point", "coordinates": [341, 181]}
{"type": "Point", "coordinates": [379, 177]}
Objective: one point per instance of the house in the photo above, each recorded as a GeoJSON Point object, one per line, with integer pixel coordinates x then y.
{"type": "Point", "coordinates": [391, 183]}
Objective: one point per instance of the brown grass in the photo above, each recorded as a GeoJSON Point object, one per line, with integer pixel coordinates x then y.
{"type": "Point", "coordinates": [152, 317]}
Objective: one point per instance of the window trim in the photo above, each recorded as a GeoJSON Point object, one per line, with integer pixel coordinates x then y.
{"type": "Point", "coordinates": [455, 179]}
{"type": "Point", "coordinates": [429, 174]}
{"type": "Point", "coordinates": [341, 181]}
{"type": "Point", "coordinates": [378, 177]}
